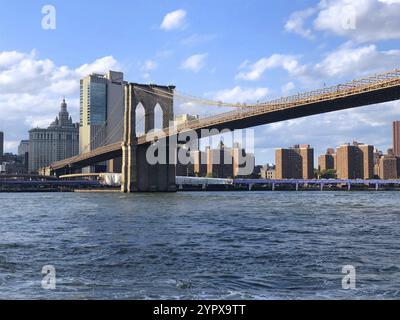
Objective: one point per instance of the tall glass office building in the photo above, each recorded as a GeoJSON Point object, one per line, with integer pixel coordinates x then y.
{"type": "Point", "coordinates": [101, 110]}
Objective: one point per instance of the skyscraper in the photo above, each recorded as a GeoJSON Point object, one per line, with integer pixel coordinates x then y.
{"type": "Point", "coordinates": [101, 113]}
{"type": "Point", "coordinates": [1, 143]}
{"type": "Point", "coordinates": [59, 141]}
{"type": "Point", "coordinates": [23, 147]}
{"type": "Point", "coordinates": [23, 153]}
{"type": "Point", "coordinates": [396, 138]}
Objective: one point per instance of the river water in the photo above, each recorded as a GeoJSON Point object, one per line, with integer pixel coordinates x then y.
{"type": "Point", "coordinates": [200, 245]}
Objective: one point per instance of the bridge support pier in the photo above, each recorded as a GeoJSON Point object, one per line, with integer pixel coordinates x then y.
{"type": "Point", "coordinates": [138, 174]}
{"type": "Point", "coordinates": [129, 168]}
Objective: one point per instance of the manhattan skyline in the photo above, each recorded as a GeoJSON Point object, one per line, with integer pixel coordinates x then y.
{"type": "Point", "coordinates": [187, 44]}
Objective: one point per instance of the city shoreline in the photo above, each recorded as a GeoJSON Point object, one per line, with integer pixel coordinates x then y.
{"type": "Point", "coordinates": [210, 189]}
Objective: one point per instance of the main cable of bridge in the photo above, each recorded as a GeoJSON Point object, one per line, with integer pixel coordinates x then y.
{"type": "Point", "coordinates": [333, 90]}
{"type": "Point", "coordinates": [188, 98]}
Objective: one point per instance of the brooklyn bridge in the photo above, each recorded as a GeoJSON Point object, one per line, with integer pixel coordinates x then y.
{"type": "Point", "coordinates": [139, 175]}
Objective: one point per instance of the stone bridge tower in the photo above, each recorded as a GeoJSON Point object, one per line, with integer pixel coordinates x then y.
{"type": "Point", "coordinates": [137, 174]}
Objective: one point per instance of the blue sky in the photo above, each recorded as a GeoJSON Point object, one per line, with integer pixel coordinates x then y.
{"type": "Point", "coordinates": [232, 50]}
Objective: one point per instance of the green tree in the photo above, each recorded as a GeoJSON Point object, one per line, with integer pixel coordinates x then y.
{"type": "Point", "coordinates": [328, 174]}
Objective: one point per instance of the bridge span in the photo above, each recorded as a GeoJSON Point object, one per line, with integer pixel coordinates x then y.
{"type": "Point", "coordinates": [367, 91]}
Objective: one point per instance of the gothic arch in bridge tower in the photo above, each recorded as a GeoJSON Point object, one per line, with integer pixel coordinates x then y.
{"type": "Point", "coordinates": [151, 97]}
{"type": "Point", "coordinates": [139, 120]}
{"type": "Point", "coordinates": [158, 118]}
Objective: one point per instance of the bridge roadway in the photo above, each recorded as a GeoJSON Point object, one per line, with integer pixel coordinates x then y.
{"type": "Point", "coordinates": [373, 90]}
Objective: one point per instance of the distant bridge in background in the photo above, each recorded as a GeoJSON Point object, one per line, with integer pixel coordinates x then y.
{"type": "Point", "coordinates": [139, 176]}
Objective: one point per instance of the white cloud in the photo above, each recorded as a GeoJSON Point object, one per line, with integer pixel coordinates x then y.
{"type": "Point", "coordinates": [11, 145]}
{"type": "Point", "coordinates": [8, 58]}
{"type": "Point", "coordinates": [196, 39]}
{"type": "Point", "coordinates": [98, 66]}
{"type": "Point", "coordinates": [256, 70]}
{"type": "Point", "coordinates": [346, 62]}
{"type": "Point", "coordinates": [358, 20]}
{"type": "Point", "coordinates": [31, 90]}
{"type": "Point", "coordinates": [195, 63]}
{"type": "Point", "coordinates": [288, 87]}
{"type": "Point", "coordinates": [244, 64]}
{"type": "Point", "coordinates": [239, 94]}
{"type": "Point", "coordinates": [174, 20]}
{"type": "Point", "coordinates": [389, 1]}
{"type": "Point", "coordinates": [297, 20]}
{"type": "Point", "coordinates": [149, 65]}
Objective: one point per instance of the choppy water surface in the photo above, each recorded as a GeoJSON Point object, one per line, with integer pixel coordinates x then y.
{"type": "Point", "coordinates": [223, 245]}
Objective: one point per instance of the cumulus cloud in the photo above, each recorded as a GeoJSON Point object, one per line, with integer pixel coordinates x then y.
{"type": "Point", "coordinates": [195, 62]}
{"type": "Point", "coordinates": [174, 20]}
{"type": "Point", "coordinates": [8, 58]}
{"type": "Point", "coordinates": [99, 66]}
{"type": "Point", "coordinates": [288, 87]}
{"type": "Point", "coordinates": [297, 20]}
{"type": "Point", "coordinates": [389, 1]}
{"type": "Point", "coordinates": [196, 39]}
{"type": "Point", "coordinates": [373, 20]}
{"type": "Point", "coordinates": [346, 62]}
{"type": "Point", "coordinates": [254, 71]}
{"type": "Point", "coordinates": [358, 20]}
{"type": "Point", "coordinates": [31, 90]}
{"type": "Point", "coordinates": [349, 60]}
{"type": "Point", "coordinates": [147, 67]}
{"type": "Point", "coordinates": [239, 94]}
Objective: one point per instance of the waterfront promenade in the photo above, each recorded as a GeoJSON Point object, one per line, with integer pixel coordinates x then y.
{"type": "Point", "coordinates": [76, 182]}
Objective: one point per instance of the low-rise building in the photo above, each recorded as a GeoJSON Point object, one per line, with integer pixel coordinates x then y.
{"type": "Point", "coordinates": [184, 118]}
{"type": "Point", "coordinates": [268, 172]}
{"type": "Point", "coordinates": [12, 164]}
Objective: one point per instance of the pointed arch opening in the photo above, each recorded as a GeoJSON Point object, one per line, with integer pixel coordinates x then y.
{"type": "Point", "coordinates": [158, 118]}
{"type": "Point", "coordinates": [140, 119]}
